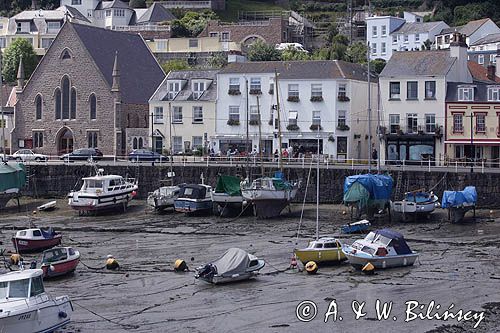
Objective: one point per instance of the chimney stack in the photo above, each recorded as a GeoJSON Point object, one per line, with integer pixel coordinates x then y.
{"type": "Point", "coordinates": [34, 4]}
{"type": "Point", "coordinates": [491, 72]}
{"type": "Point", "coordinates": [458, 50]}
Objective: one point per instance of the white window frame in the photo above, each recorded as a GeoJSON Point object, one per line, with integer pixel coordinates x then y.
{"type": "Point", "coordinates": [341, 118]}
{"type": "Point", "coordinates": [293, 90]}
{"type": "Point", "coordinates": [383, 48]}
{"type": "Point", "coordinates": [177, 115]}
{"type": "Point", "coordinates": [161, 44]}
{"type": "Point", "coordinates": [374, 48]}
{"type": "Point", "coordinates": [417, 37]}
{"type": "Point", "coordinates": [480, 122]}
{"type": "Point", "coordinates": [198, 89]}
{"type": "Point", "coordinates": [255, 83]}
{"type": "Point", "coordinates": [293, 117]}
{"type": "Point", "coordinates": [383, 31]}
{"type": "Point", "coordinates": [405, 38]}
{"type": "Point", "coordinates": [494, 94]}
{"type": "Point", "coordinates": [234, 113]}
{"type": "Point", "coordinates": [374, 31]}
{"type": "Point", "coordinates": [177, 144]}
{"type": "Point", "coordinates": [394, 95]}
{"type": "Point", "coordinates": [465, 94]}
{"type": "Point", "coordinates": [254, 113]}
{"type": "Point", "coordinates": [458, 123]}
{"type": "Point", "coordinates": [316, 118]}
{"type": "Point", "coordinates": [316, 90]}
{"type": "Point", "coordinates": [394, 39]}
{"type": "Point", "coordinates": [158, 114]}
{"type": "Point", "coordinates": [196, 142]}
{"type": "Point", "coordinates": [234, 83]}
{"type": "Point", "coordinates": [413, 128]}
{"type": "Point", "coordinates": [197, 114]}
{"type": "Point", "coordinates": [480, 59]}
{"type": "Point", "coordinates": [430, 122]}
{"type": "Point", "coordinates": [394, 120]}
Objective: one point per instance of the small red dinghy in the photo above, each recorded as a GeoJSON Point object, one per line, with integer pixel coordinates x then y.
{"type": "Point", "coordinates": [59, 261]}
{"type": "Point", "coordinates": [33, 240]}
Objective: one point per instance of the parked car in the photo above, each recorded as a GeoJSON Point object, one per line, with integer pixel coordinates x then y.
{"type": "Point", "coordinates": [138, 155]}
{"type": "Point", "coordinates": [83, 154]}
{"type": "Point", "coordinates": [28, 155]}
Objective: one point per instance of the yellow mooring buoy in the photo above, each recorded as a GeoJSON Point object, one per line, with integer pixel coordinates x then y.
{"type": "Point", "coordinates": [311, 267]}
{"type": "Point", "coordinates": [15, 258]}
{"type": "Point", "coordinates": [368, 269]}
{"type": "Point", "coordinates": [111, 263]}
{"type": "Point", "coordinates": [180, 266]}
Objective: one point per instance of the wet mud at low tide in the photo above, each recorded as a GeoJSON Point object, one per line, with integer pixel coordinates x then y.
{"type": "Point", "coordinates": [458, 264]}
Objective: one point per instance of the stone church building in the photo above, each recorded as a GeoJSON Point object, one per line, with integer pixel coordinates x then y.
{"type": "Point", "coordinates": [91, 89]}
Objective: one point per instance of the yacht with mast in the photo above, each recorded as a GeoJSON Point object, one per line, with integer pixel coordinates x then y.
{"type": "Point", "coordinates": [270, 195]}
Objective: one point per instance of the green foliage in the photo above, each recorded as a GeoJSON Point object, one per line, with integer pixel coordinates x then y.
{"type": "Point", "coordinates": [260, 51]}
{"type": "Point", "coordinates": [377, 65]}
{"type": "Point", "coordinates": [217, 60]}
{"type": "Point", "coordinates": [291, 53]}
{"type": "Point", "coordinates": [469, 12]}
{"type": "Point", "coordinates": [20, 47]}
{"type": "Point", "coordinates": [357, 52]}
{"type": "Point", "coordinates": [137, 3]}
{"type": "Point", "coordinates": [192, 23]}
{"type": "Point", "coordinates": [174, 65]}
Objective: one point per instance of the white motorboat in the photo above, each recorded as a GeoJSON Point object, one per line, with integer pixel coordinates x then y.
{"type": "Point", "coordinates": [269, 195]}
{"type": "Point", "coordinates": [416, 203]}
{"type": "Point", "coordinates": [103, 192]}
{"type": "Point", "coordinates": [25, 307]}
{"type": "Point", "coordinates": [227, 197]}
{"type": "Point", "coordinates": [194, 199]}
{"type": "Point", "coordinates": [163, 197]}
{"type": "Point", "coordinates": [383, 248]}
{"type": "Point", "coordinates": [234, 265]}
{"type": "Point", "coordinates": [48, 206]}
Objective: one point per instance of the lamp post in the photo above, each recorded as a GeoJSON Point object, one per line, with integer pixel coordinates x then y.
{"type": "Point", "coordinates": [473, 153]}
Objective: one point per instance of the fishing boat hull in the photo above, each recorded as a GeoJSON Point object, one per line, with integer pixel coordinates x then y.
{"type": "Point", "coordinates": [269, 203]}
{"type": "Point", "coordinates": [85, 202]}
{"type": "Point", "coordinates": [457, 214]}
{"type": "Point", "coordinates": [163, 198]}
{"type": "Point", "coordinates": [24, 245]}
{"type": "Point", "coordinates": [46, 315]}
{"type": "Point", "coordinates": [320, 256]}
{"type": "Point", "coordinates": [359, 259]}
{"type": "Point", "coordinates": [193, 206]}
{"type": "Point", "coordinates": [60, 268]}
{"type": "Point", "coordinates": [356, 227]}
{"type": "Point", "coordinates": [228, 205]}
{"type": "Point", "coordinates": [48, 206]}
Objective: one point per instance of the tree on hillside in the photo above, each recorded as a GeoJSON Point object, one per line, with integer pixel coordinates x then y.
{"type": "Point", "coordinates": [174, 65]}
{"type": "Point", "coordinates": [217, 60]}
{"type": "Point", "coordinates": [357, 52]}
{"type": "Point", "coordinates": [260, 51]}
{"type": "Point", "coordinates": [377, 65]}
{"type": "Point", "coordinates": [291, 53]}
{"type": "Point", "coordinates": [338, 49]}
{"type": "Point", "coordinates": [20, 47]}
{"type": "Point", "coordinates": [192, 23]}
{"type": "Point", "coordinates": [137, 3]}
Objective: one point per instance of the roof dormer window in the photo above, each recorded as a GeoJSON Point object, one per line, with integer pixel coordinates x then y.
{"type": "Point", "coordinates": [465, 94]}
{"type": "Point", "coordinates": [494, 94]}
{"type": "Point", "coordinates": [173, 89]}
{"type": "Point", "coordinates": [198, 89]}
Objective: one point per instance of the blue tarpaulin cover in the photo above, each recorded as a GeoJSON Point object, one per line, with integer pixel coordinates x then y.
{"type": "Point", "coordinates": [368, 190]}
{"type": "Point", "coordinates": [458, 198]}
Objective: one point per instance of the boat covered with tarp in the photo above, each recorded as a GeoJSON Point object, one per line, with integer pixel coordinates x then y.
{"type": "Point", "coordinates": [367, 192]}
{"type": "Point", "coordinates": [227, 196]}
{"type": "Point", "coordinates": [234, 265]}
{"type": "Point", "coordinates": [459, 202]}
{"type": "Point", "coordinates": [12, 180]}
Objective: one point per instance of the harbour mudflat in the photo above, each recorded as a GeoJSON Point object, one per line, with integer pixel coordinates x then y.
{"type": "Point", "coordinates": [458, 265]}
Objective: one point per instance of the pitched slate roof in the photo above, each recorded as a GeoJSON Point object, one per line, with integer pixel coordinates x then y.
{"type": "Point", "coordinates": [296, 70]}
{"type": "Point", "coordinates": [491, 38]}
{"type": "Point", "coordinates": [480, 91]}
{"type": "Point", "coordinates": [467, 29]}
{"type": "Point", "coordinates": [140, 72]}
{"type": "Point", "coordinates": [186, 93]}
{"type": "Point", "coordinates": [154, 14]}
{"type": "Point", "coordinates": [418, 63]}
{"type": "Point", "coordinates": [417, 27]}
{"type": "Point", "coordinates": [112, 4]}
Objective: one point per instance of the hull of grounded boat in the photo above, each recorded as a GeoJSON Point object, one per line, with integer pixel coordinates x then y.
{"type": "Point", "coordinates": [320, 256]}
{"type": "Point", "coordinates": [163, 198]}
{"type": "Point", "coordinates": [192, 206]}
{"type": "Point", "coordinates": [228, 205]}
{"type": "Point", "coordinates": [359, 259]}
{"type": "Point", "coordinates": [43, 315]}
{"type": "Point", "coordinates": [457, 214]}
{"type": "Point", "coordinates": [269, 203]}
{"type": "Point", "coordinates": [85, 202]}
{"type": "Point", "coordinates": [24, 245]}
{"type": "Point", "coordinates": [61, 268]}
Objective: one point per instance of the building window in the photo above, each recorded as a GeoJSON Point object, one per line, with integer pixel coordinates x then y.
{"type": "Point", "coordinates": [382, 48]}
{"type": "Point", "coordinates": [234, 84]}
{"type": "Point", "coordinates": [430, 89]}
{"type": "Point", "coordinates": [254, 114]}
{"type": "Point", "coordinates": [193, 42]}
{"type": "Point", "coordinates": [214, 34]}
{"type": "Point", "coordinates": [412, 90]}
{"type": "Point", "coordinates": [177, 114]}
{"type": "Point", "coordinates": [316, 118]}
{"type": "Point", "coordinates": [198, 89]}
{"type": "Point", "coordinates": [430, 123]}
{"type": "Point", "coordinates": [158, 115]}
{"type": "Point", "coordinates": [493, 58]}
{"type": "Point", "coordinates": [234, 113]}
{"type": "Point", "coordinates": [342, 145]}
{"type": "Point", "coordinates": [342, 92]}
{"type": "Point", "coordinates": [46, 42]}
{"type": "Point", "coordinates": [383, 31]}
{"type": "Point", "coordinates": [374, 48]}
{"type": "Point", "coordinates": [73, 104]}
{"type": "Point", "coordinates": [173, 89]}
{"type": "Point", "coordinates": [394, 90]}
{"type": "Point", "coordinates": [161, 45]}
{"type": "Point", "coordinates": [292, 117]}
{"type": "Point", "coordinates": [316, 90]}
{"type": "Point", "coordinates": [480, 122]}
{"type": "Point", "coordinates": [293, 90]}
{"type": "Point", "coordinates": [53, 26]}
{"type": "Point", "coordinates": [480, 59]}
{"type": "Point", "coordinates": [255, 84]}
{"type": "Point", "coordinates": [76, 2]}
{"type": "Point", "coordinates": [65, 97]}
{"type": "Point", "coordinates": [406, 38]}
{"type": "Point", "coordinates": [439, 40]}
{"type": "Point", "coordinates": [417, 37]}
{"type": "Point", "coordinates": [197, 114]}
{"type": "Point", "coordinates": [177, 144]}
{"type": "Point", "coordinates": [120, 12]}
{"type": "Point", "coordinates": [494, 94]}
{"type": "Point", "coordinates": [394, 39]}
{"type": "Point", "coordinates": [447, 39]}
{"type": "Point", "coordinates": [394, 123]}
{"type": "Point", "coordinates": [466, 94]}
{"type": "Point", "coordinates": [458, 125]}
{"type": "Point", "coordinates": [374, 31]}
{"type": "Point", "coordinates": [57, 103]}
{"type": "Point", "coordinates": [341, 120]}
{"type": "Point", "coordinates": [197, 142]}
{"type": "Point", "coordinates": [3, 42]}
{"type": "Point", "coordinates": [225, 36]}
{"type": "Point", "coordinates": [108, 12]}
{"type": "Point", "coordinates": [92, 139]}
{"type": "Point", "coordinates": [93, 107]}
{"type": "Point", "coordinates": [412, 123]}
{"type": "Point", "coordinates": [37, 139]}
{"type": "Point", "coordinates": [271, 88]}
{"type": "Point", "coordinates": [38, 107]}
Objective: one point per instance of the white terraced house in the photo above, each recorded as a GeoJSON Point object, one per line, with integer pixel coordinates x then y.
{"type": "Point", "coordinates": [329, 95]}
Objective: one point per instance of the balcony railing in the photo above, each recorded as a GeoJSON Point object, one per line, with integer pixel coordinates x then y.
{"type": "Point", "coordinates": [146, 27]}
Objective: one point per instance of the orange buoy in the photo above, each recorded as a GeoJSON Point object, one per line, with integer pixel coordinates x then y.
{"type": "Point", "coordinates": [180, 266]}
{"type": "Point", "coordinates": [311, 267]}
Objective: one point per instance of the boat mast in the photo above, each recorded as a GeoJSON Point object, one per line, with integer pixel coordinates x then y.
{"type": "Point", "coordinates": [369, 101]}
{"type": "Point", "coordinates": [317, 191]}
{"type": "Point", "coordinates": [2, 120]}
{"type": "Point", "coordinates": [280, 166]}
{"type": "Point", "coordinates": [246, 140]}
{"type": "Point", "coordinates": [170, 140]}
{"type": "Point", "coordinates": [260, 139]}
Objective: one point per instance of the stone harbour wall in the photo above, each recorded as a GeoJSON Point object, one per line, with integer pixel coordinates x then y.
{"type": "Point", "coordinates": [58, 180]}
